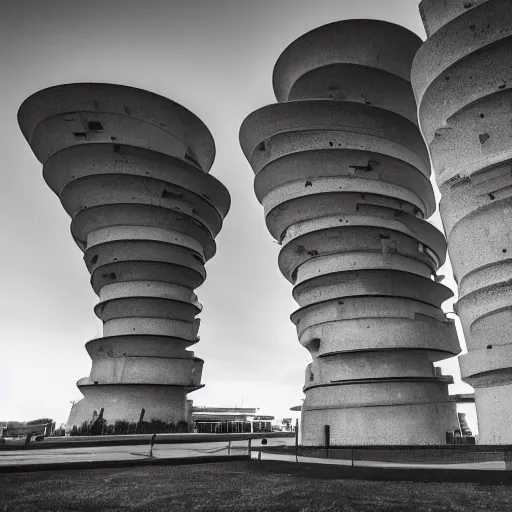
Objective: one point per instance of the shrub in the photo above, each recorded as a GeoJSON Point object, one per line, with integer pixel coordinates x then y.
{"type": "Point", "coordinates": [39, 421]}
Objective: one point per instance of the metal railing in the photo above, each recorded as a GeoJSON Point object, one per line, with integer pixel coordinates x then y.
{"type": "Point", "coordinates": [445, 454]}
{"type": "Point", "coordinates": [143, 439]}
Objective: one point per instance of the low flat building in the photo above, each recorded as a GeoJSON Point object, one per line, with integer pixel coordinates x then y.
{"type": "Point", "coordinates": [226, 420]}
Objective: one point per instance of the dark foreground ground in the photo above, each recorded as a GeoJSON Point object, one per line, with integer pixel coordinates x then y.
{"type": "Point", "coordinates": [233, 486]}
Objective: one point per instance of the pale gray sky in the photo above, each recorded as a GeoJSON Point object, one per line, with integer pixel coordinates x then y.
{"type": "Point", "coordinates": [215, 57]}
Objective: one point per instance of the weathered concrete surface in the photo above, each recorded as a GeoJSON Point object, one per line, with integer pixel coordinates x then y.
{"type": "Point", "coordinates": [462, 80]}
{"type": "Point", "coordinates": [131, 170]}
{"type": "Point", "coordinates": [343, 174]}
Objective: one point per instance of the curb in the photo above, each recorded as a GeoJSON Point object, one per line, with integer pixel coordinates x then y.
{"type": "Point", "coordinates": [100, 464]}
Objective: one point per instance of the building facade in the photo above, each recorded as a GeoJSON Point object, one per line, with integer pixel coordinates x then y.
{"type": "Point", "coordinates": [225, 420]}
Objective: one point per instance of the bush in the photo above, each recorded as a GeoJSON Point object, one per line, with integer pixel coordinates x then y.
{"type": "Point", "coordinates": [182, 426]}
{"type": "Point", "coordinates": [122, 427]}
{"type": "Point", "coordinates": [39, 421]}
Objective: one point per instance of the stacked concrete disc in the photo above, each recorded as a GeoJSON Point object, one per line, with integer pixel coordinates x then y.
{"type": "Point", "coordinates": [130, 168]}
{"type": "Point", "coordinates": [462, 78]}
{"type": "Point", "coordinates": [343, 175]}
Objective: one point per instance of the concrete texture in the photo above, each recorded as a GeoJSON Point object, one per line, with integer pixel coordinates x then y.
{"type": "Point", "coordinates": [131, 170]}
{"type": "Point", "coordinates": [342, 172]}
{"type": "Point", "coordinates": [462, 81]}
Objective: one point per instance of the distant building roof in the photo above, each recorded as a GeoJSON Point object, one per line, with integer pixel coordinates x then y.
{"type": "Point", "coordinates": [228, 414]}
{"type": "Point", "coordinates": [230, 410]}
{"type": "Point", "coordinates": [465, 398]}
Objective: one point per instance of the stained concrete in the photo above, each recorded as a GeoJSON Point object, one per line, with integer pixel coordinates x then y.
{"type": "Point", "coordinates": [342, 172]}
{"type": "Point", "coordinates": [131, 170]}
{"type": "Point", "coordinates": [462, 81]}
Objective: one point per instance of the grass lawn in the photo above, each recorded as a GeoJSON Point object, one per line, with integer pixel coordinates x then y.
{"type": "Point", "coordinates": [237, 486]}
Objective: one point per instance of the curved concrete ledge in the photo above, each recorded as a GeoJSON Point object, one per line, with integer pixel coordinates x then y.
{"type": "Point", "coordinates": [323, 124]}
{"type": "Point", "coordinates": [437, 13]}
{"type": "Point", "coordinates": [374, 394]}
{"type": "Point", "coordinates": [475, 28]}
{"type": "Point", "coordinates": [346, 262]}
{"type": "Point", "coordinates": [184, 371]}
{"type": "Point", "coordinates": [364, 307]}
{"type": "Point", "coordinates": [160, 271]}
{"type": "Point", "coordinates": [347, 45]}
{"type": "Point", "coordinates": [146, 307]}
{"type": "Point", "coordinates": [148, 289]}
{"type": "Point", "coordinates": [361, 84]}
{"type": "Point", "coordinates": [72, 106]}
{"type": "Point", "coordinates": [335, 162]}
{"type": "Point", "coordinates": [350, 248]}
{"type": "Point", "coordinates": [106, 216]}
{"type": "Point", "coordinates": [342, 171]}
{"type": "Point", "coordinates": [152, 326]}
{"type": "Point", "coordinates": [126, 165]}
{"type": "Point", "coordinates": [293, 214]}
{"type": "Point", "coordinates": [100, 190]}
{"type": "Point", "coordinates": [133, 345]}
{"type": "Point", "coordinates": [98, 159]}
{"type": "Point", "coordinates": [362, 365]}
{"type": "Point", "coordinates": [338, 285]}
{"type": "Point", "coordinates": [382, 333]}
{"type": "Point", "coordinates": [487, 367]}
{"type": "Point", "coordinates": [429, 242]}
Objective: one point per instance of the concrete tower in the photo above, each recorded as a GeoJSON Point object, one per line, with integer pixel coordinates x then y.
{"type": "Point", "coordinates": [462, 78]}
{"type": "Point", "coordinates": [343, 174]}
{"type": "Point", "coordinates": [130, 168]}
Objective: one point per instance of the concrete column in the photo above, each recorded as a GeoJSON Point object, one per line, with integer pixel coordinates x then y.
{"type": "Point", "coordinates": [131, 170]}
{"type": "Point", "coordinates": [343, 174]}
{"type": "Point", "coordinates": [462, 80]}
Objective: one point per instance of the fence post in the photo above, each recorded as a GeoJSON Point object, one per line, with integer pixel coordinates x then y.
{"type": "Point", "coordinates": [229, 448]}
{"type": "Point", "coordinates": [327, 440]}
{"type": "Point", "coordinates": [507, 457]}
{"type": "Point", "coordinates": [297, 440]}
{"type": "Point", "coordinates": [153, 437]}
{"type": "Point", "coordinates": [352, 451]}
{"type": "Point", "coordinates": [249, 448]}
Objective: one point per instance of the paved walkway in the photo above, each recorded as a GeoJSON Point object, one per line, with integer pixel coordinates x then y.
{"type": "Point", "coordinates": [196, 450]}
{"type": "Point", "coordinates": [495, 465]}
{"type": "Point", "coordinates": [137, 452]}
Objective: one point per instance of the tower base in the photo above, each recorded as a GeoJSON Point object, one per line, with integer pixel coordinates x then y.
{"type": "Point", "coordinates": [424, 424]}
{"type": "Point", "coordinates": [125, 403]}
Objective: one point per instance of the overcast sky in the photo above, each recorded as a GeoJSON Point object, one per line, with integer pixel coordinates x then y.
{"type": "Point", "coordinates": [214, 57]}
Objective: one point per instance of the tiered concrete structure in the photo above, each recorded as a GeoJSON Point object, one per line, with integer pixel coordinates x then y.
{"type": "Point", "coordinates": [130, 168]}
{"type": "Point", "coordinates": [343, 175]}
{"type": "Point", "coordinates": [462, 78]}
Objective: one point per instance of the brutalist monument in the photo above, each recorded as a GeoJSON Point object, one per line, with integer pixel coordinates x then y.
{"type": "Point", "coordinates": [462, 78]}
{"type": "Point", "coordinates": [131, 170]}
{"type": "Point", "coordinates": [343, 173]}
